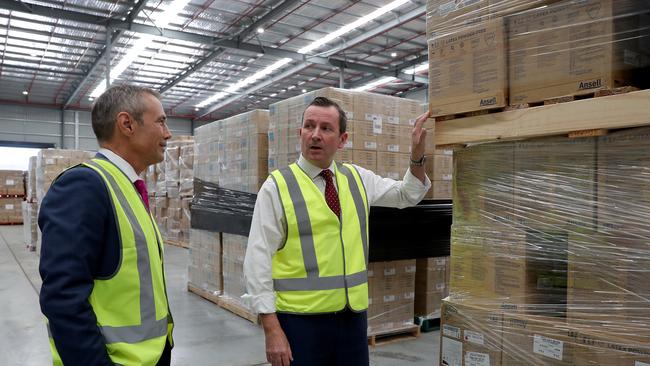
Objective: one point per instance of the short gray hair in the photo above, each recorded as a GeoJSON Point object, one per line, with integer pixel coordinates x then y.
{"type": "Point", "coordinates": [116, 99]}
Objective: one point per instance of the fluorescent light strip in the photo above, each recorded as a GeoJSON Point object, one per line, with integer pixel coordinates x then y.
{"type": "Point", "coordinates": [416, 69]}
{"type": "Point", "coordinates": [354, 25]}
{"type": "Point", "coordinates": [162, 21]}
{"type": "Point", "coordinates": [376, 83]}
{"type": "Point", "coordinates": [249, 80]}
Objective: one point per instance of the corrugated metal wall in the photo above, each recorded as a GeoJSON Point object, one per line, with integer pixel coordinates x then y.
{"type": "Point", "coordinates": [35, 124]}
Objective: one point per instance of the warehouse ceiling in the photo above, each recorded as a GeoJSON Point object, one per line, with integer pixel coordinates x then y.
{"type": "Point", "coordinates": [210, 59]}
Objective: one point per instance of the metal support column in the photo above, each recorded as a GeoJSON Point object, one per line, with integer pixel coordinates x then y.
{"type": "Point", "coordinates": [62, 140]}
{"type": "Point", "coordinates": [108, 57]}
{"type": "Point", "coordinates": [341, 77]}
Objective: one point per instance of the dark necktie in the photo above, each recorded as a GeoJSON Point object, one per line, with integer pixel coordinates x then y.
{"type": "Point", "coordinates": [142, 189]}
{"type": "Point", "coordinates": [331, 197]}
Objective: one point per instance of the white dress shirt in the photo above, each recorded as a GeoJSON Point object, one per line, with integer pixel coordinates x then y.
{"type": "Point", "coordinates": [122, 164]}
{"type": "Point", "coordinates": [269, 226]}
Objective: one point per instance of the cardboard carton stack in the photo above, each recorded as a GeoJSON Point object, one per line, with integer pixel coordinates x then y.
{"type": "Point", "coordinates": [170, 187]}
{"type": "Point", "coordinates": [379, 133]}
{"type": "Point", "coordinates": [431, 286]}
{"type": "Point", "coordinates": [232, 153]}
{"type": "Point", "coordinates": [391, 296]}
{"type": "Point", "coordinates": [204, 271]}
{"type": "Point", "coordinates": [30, 180]}
{"type": "Point", "coordinates": [488, 54]}
{"type": "Point", "coordinates": [555, 245]}
{"type": "Point", "coordinates": [12, 193]}
{"type": "Point", "coordinates": [30, 224]}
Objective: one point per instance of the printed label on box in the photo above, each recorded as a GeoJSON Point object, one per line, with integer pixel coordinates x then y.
{"type": "Point", "coordinates": [393, 176]}
{"type": "Point", "coordinates": [350, 115]}
{"type": "Point", "coordinates": [639, 363]}
{"type": "Point", "coordinates": [348, 144]}
{"type": "Point", "coordinates": [477, 359]}
{"type": "Point", "coordinates": [452, 352]}
{"type": "Point", "coordinates": [393, 148]}
{"type": "Point", "coordinates": [10, 182]}
{"type": "Point", "coordinates": [271, 151]}
{"type": "Point", "coordinates": [371, 145]}
{"type": "Point", "coordinates": [377, 127]}
{"type": "Point", "coordinates": [447, 177]}
{"type": "Point", "coordinates": [474, 337]}
{"type": "Point", "coordinates": [9, 207]}
{"type": "Point", "coordinates": [409, 295]}
{"type": "Point", "coordinates": [412, 122]}
{"type": "Point", "coordinates": [446, 8]}
{"type": "Point", "coordinates": [451, 331]}
{"type": "Point", "coordinates": [448, 152]}
{"type": "Point", "coordinates": [393, 120]}
{"type": "Point", "coordinates": [49, 161]}
{"type": "Point", "coordinates": [409, 269]}
{"type": "Point", "coordinates": [548, 347]}
{"type": "Point", "coordinates": [371, 273]}
{"type": "Point", "coordinates": [389, 272]}
{"type": "Point", "coordinates": [441, 262]}
{"type": "Point", "coordinates": [373, 117]}
{"type": "Point", "coordinates": [440, 286]}
{"type": "Point", "coordinates": [389, 298]}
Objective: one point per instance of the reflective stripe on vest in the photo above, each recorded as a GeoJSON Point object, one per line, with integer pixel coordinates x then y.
{"type": "Point", "coordinates": [313, 281]}
{"type": "Point", "coordinates": [149, 327]}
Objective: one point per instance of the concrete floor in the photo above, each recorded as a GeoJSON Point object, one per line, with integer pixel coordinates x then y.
{"type": "Point", "coordinates": [205, 334]}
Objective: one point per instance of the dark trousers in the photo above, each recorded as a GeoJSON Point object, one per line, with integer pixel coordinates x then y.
{"type": "Point", "coordinates": [337, 339]}
{"type": "Point", "coordinates": [166, 358]}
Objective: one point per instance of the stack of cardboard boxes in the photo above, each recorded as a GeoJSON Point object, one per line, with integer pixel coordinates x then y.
{"type": "Point", "coordinates": [12, 193]}
{"type": "Point", "coordinates": [431, 286]}
{"type": "Point", "coordinates": [549, 246]}
{"type": "Point", "coordinates": [30, 207]}
{"type": "Point", "coordinates": [379, 135]}
{"type": "Point", "coordinates": [204, 271]}
{"type": "Point", "coordinates": [487, 54]}
{"type": "Point", "coordinates": [170, 187]}
{"type": "Point", "coordinates": [391, 294]}
{"type": "Point", "coordinates": [232, 153]}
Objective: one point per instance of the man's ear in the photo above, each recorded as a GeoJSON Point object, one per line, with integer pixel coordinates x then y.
{"type": "Point", "coordinates": [125, 123]}
{"type": "Point", "coordinates": [343, 139]}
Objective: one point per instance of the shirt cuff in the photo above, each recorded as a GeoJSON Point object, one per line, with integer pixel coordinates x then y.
{"type": "Point", "coordinates": [260, 304]}
{"type": "Point", "coordinates": [413, 184]}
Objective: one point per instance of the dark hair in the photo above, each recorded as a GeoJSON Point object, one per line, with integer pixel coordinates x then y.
{"type": "Point", "coordinates": [326, 102]}
{"type": "Point", "coordinates": [116, 99]}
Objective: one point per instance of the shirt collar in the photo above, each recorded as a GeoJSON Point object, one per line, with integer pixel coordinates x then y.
{"type": "Point", "coordinates": [311, 169]}
{"type": "Point", "coordinates": [122, 164]}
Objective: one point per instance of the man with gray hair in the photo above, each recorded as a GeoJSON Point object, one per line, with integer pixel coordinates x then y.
{"type": "Point", "coordinates": [103, 290]}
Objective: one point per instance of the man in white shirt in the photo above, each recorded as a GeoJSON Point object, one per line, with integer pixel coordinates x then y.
{"type": "Point", "coordinates": [307, 253]}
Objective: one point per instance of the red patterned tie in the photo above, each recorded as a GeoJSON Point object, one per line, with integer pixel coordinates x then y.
{"type": "Point", "coordinates": [331, 197]}
{"type": "Point", "coordinates": [142, 189]}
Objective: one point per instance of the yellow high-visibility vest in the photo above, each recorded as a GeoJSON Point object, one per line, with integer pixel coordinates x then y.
{"type": "Point", "coordinates": [131, 307]}
{"type": "Point", "coordinates": [322, 267]}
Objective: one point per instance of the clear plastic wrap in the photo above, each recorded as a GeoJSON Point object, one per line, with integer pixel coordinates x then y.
{"type": "Point", "coordinates": [233, 152]}
{"type": "Point", "coordinates": [391, 295]}
{"type": "Point", "coordinates": [186, 163]}
{"type": "Point", "coordinates": [173, 164]}
{"type": "Point", "coordinates": [551, 253]}
{"type": "Point", "coordinates": [12, 183]}
{"type": "Point", "coordinates": [431, 286]}
{"type": "Point", "coordinates": [51, 162]}
{"type": "Point", "coordinates": [204, 270]}
{"type": "Point", "coordinates": [30, 224]}
{"type": "Point", "coordinates": [487, 54]}
{"type": "Point", "coordinates": [234, 250]}
{"type": "Point", "coordinates": [30, 184]}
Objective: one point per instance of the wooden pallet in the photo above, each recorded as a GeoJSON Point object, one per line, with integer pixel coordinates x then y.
{"type": "Point", "coordinates": [604, 110]}
{"type": "Point", "coordinates": [225, 302]}
{"type": "Point", "coordinates": [177, 243]}
{"type": "Point", "coordinates": [12, 196]}
{"type": "Point", "coordinates": [395, 335]}
{"type": "Point", "coordinates": [11, 223]}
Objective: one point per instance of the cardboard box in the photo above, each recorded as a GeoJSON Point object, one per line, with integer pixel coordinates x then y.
{"type": "Point", "coordinates": [12, 182]}
{"type": "Point", "coordinates": [470, 335]}
{"type": "Point", "coordinates": [391, 295]}
{"type": "Point", "coordinates": [573, 48]}
{"type": "Point", "coordinates": [431, 285]}
{"type": "Point", "coordinates": [391, 165]}
{"type": "Point", "coordinates": [364, 135]}
{"type": "Point", "coordinates": [467, 69]}
{"type": "Point", "coordinates": [11, 210]}
{"type": "Point", "coordinates": [366, 159]}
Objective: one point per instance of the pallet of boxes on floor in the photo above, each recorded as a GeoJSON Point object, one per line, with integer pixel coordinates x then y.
{"type": "Point", "coordinates": [12, 195]}
{"type": "Point", "coordinates": [170, 187]}
{"type": "Point", "coordinates": [43, 170]}
{"type": "Point", "coordinates": [551, 185]}
{"type": "Point", "coordinates": [231, 163]}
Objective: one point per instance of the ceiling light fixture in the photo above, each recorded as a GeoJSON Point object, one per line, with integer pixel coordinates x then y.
{"type": "Point", "coordinates": [260, 30]}
{"type": "Point", "coordinates": [91, 99]}
{"type": "Point", "coordinates": [162, 21]}
{"type": "Point", "coordinates": [393, 54]}
{"type": "Point", "coordinates": [25, 92]}
{"type": "Point", "coordinates": [242, 83]}
{"type": "Point", "coordinates": [376, 83]}
{"type": "Point", "coordinates": [304, 90]}
{"type": "Point", "coordinates": [352, 26]}
{"type": "Point", "coordinates": [417, 69]}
